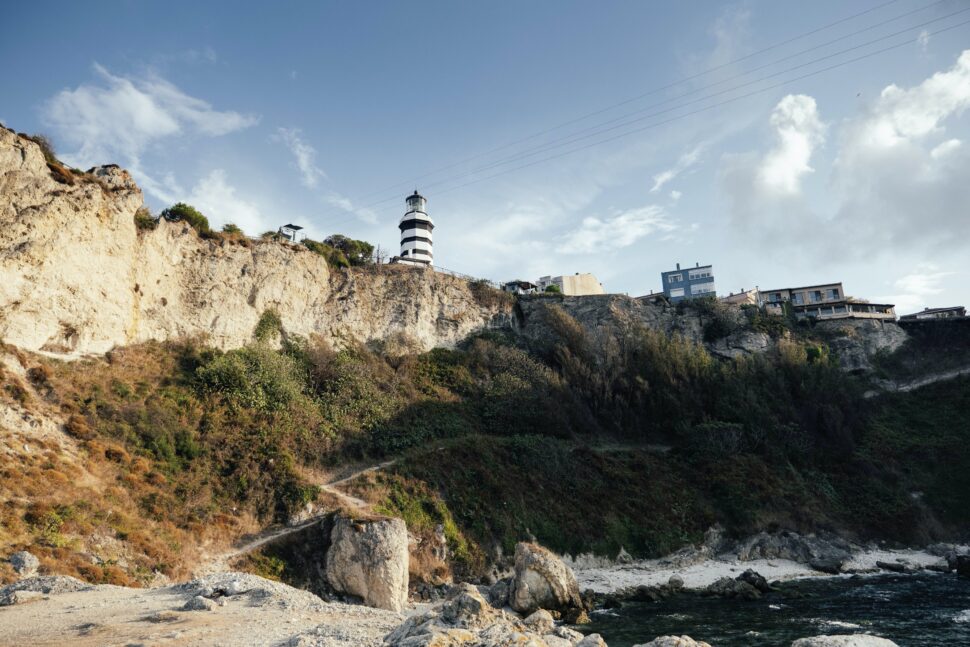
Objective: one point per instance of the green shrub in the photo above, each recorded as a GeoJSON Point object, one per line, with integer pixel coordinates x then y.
{"type": "Point", "coordinates": [269, 326]}
{"type": "Point", "coordinates": [46, 147]}
{"type": "Point", "coordinates": [335, 257]}
{"type": "Point", "coordinates": [254, 377]}
{"type": "Point", "coordinates": [188, 213]}
{"type": "Point", "coordinates": [144, 220]}
{"type": "Point", "coordinates": [357, 252]}
{"type": "Point", "coordinates": [231, 229]}
{"type": "Point", "coordinates": [553, 289]}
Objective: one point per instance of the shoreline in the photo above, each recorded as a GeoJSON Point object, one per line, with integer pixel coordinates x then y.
{"type": "Point", "coordinates": [604, 576]}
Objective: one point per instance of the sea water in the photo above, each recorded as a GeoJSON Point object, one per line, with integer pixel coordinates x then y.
{"type": "Point", "coordinates": [911, 610]}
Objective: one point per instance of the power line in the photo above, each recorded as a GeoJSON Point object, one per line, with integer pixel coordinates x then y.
{"type": "Point", "coordinates": [599, 130]}
{"type": "Point", "coordinates": [653, 91]}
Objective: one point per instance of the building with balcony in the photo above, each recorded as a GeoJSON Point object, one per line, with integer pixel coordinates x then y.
{"type": "Point", "coordinates": [691, 283]}
{"type": "Point", "coordinates": [824, 301]}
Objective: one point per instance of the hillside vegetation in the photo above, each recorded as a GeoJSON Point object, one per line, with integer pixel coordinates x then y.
{"type": "Point", "coordinates": [641, 441]}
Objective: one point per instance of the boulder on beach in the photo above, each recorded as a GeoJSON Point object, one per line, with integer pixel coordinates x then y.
{"type": "Point", "coordinates": [854, 640]}
{"type": "Point", "coordinates": [368, 558]}
{"type": "Point", "coordinates": [543, 581]}
{"type": "Point", "coordinates": [827, 555]}
{"type": "Point", "coordinates": [674, 641]}
{"type": "Point", "coordinates": [726, 587]}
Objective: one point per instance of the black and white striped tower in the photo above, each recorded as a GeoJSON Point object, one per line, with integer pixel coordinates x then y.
{"type": "Point", "coordinates": [416, 227]}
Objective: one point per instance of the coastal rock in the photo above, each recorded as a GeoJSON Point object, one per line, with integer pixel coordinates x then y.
{"type": "Point", "coordinates": [726, 587]}
{"type": "Point", "coordinates": [963, 565]}
{"type": "Point", "coordinates": [540, 622]}
{"type": "Point", "coordinates": [674, 641]}
{"type": "Point", "coordinates": [856, 341]}
{"type": "Point", "coordinates": [895, 567]}
{"type": "Point", "coordinates": [542, 581]}
{"type": "Point", "coordinates": [498, 593]}
{"type": "Point", "coordinates": [855, 640]}
{"type": "Point", "coordinates": [24, 564]}
{"type": "Point", "coordinates": [592, 640]}
{"type": "Point", "coordinates": [755, 579]}
{"type": "Point", "coordinates": [465, 618]}
{"type": "Point", "coordinates": [822, 554]}
{"type": "Point", "coordinates": [369, 559]}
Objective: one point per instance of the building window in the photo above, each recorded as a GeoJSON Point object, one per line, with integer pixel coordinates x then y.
{"type": "Point", "coordinates": [774, 297]}
{"type": "Point", "coordinates": [677, 292]}
{"type": "Point", "coordinates": [675, 278]}
{"type": "Point", "coordinates": [816, 296]}
{"type": "Point", "coordinates": [834, 293]}
{"type": "Point", "coordinates": [702, 288]}
{"type": "Point", "coordinates": [699, 274]}
{"type": "Point", "coordinates": [797, 298]}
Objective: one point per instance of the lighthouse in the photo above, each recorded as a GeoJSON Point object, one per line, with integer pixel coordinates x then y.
{"type": "Point", "coordinates": [416, 227]}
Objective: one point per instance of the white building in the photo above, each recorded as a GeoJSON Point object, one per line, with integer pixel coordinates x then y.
{"type": "Point", "coordinates": [416, 227]}
{"type": "Point", "coordinates": [291, 233]}
{"type": "Point", "coordinates": [573, 284]}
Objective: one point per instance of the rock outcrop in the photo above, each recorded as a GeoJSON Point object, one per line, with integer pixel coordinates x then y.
{"type": "Point", "coordinates": [542, 581]}
{"type": "Point", "coordinates": [78, 277]}
{"type": "Point", "coordinates": [466, 618]}
{"type": "Point", "coordinates": [856, 640]}
{"type": "Point", "coordinates": [826, 555]}
{"type": "Point", "coordinates": [856, 341]}
{"type": "Point", "coordinates": [674, 641]}
{"type": "Point", "coordinates": [24, 564]}
{"type": "Point", "coordinates": [368, 558]}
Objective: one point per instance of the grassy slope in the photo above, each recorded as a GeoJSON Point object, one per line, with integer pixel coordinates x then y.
{"type": "Point", "coordinates": [497, 442]}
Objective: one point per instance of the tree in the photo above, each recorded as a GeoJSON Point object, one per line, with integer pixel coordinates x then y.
{"type": "Point", "coordinates": [230, 228]}
{"type": "Point", "coordinates": [188, 213]}
{"type": "Point", "coordinates": [553, 289]}
{"type": "Point", "coordinates": [358, 252]}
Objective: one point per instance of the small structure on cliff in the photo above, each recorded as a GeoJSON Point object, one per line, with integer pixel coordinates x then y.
{"type": "Point", "coordinates": [573, 285]}
{"type": "Point", "coordinates": [697, 281]}
{"type": "Point", "coordinates": [824, 301]}
{"type": "Point", "coordinates": [291, 233]}
{"type": "Point", "coordinates": [416, 227]}
{"type": "Point", "coordinates": [927, 314]}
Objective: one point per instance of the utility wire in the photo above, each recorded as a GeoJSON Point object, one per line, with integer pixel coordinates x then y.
{"type": "Point", "coordinates": [653, 91]}
{"type": "Point", "coordinates": [579, 136]}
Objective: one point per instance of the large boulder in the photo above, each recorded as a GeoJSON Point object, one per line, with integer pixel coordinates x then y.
{"type": "Point", "coordinates": [542, 581]}
{"type": "Point", "coordinates": [855, 640]}
{"type": "Point", "coordinates": [368, 558]}
{"type": "Point", "coordinates": [674, 641]}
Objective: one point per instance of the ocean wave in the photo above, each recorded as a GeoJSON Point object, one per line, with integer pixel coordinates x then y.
{"type": "Point", "coordinates": [963, 617]}
{"type": "Point", "coordinates": [834, 624]}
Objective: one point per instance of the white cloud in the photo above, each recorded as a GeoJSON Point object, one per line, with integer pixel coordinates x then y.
{"type": "Point", "coordinates": [798, 130]}
{"type": "Point", "coordinates": [120, 117]}
{"type": "Point", "coordinates": [898, 183]}
{"type": "Point", "coordinates": [923, 39]}
{"type": "Point", "coordinates": [621, 230]}
{"type": "Point", "coordinates": [675, 196]}
{"type": "Point", "coordinates": [684, 162]}
{"type": "Point", "coordinates": [215, 197]}
{"type": "Point", "coordinates": [916, 289]}
{"type": "Point", "coordinates": [304, 154]}
{"type": "Point", "coordinates": [346, 204]}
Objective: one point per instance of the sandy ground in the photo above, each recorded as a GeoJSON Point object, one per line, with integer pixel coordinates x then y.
{"type": "Point", "coordinates": [269, 614]}
{"type": "Point", "coordinates": [604, 578]}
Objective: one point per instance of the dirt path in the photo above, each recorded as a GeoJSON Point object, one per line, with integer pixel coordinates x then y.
{"type": "Point", "coordinates": [920, 382]}
{"type": "Point", "coordinates": [220, 563]}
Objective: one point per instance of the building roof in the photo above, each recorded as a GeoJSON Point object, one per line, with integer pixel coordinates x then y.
{"type": "Point", "coordinates": [930, 311]}
{"type": "Point", "coordinates": [804, 287]}
{"type": "Point", "coordinates": [293, 227]}
{"type": "Point", "coordinates": [414, 195]}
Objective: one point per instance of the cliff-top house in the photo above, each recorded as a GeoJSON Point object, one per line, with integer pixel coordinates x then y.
{"type": "Point", "coordinates": [691, 283]}
{"type": "Point", "coordinates": [824, 301]}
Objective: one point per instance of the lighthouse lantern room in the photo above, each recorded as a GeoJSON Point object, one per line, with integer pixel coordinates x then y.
{"type": "Point", "coordinates": [416, 227]}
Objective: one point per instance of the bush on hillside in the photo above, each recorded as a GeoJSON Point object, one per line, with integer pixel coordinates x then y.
{"type": "Point", "coordinates": [231, 229]}
{"type": "Point", "coordinates": [357, 252]}
{"type": "Point", "coordinates": [335, 257]}
{"type": "Point", "coordinates": [144, 220]}
{"type": "Point", "coordinates": [188, 213]}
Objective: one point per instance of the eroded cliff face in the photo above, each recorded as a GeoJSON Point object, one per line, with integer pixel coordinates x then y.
{"type": "Point", "coordinates": [76, 276]}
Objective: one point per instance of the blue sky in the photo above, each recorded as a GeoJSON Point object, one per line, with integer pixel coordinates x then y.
{"type": "Point", "coordinates": [326, 114]}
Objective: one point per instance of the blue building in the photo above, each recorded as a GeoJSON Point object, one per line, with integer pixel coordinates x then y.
{"type": "Point", "coordinates": [681, 284]}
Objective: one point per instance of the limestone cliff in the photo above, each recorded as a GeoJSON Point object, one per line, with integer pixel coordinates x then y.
{"type": "Point", "coordinates": [78, 277]}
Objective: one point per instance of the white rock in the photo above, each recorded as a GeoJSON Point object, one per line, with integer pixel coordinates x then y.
{"type": "Point", "coordinates": [369, 559]}
{"type": "Point", "coordinates": [592, 640]}
{"type": "Point", "coordinates": [540, 622]}
{"type": "Point", "coordinates": [855, 640]}
{"type": "Point", "coordinates": [674, 641]}
{"type": "Point", "coordinates": [24, 564]}
{"type": "Point", "coordinates": [542, 581]}
{"type": "Point", "coordinates": [199, 603]}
